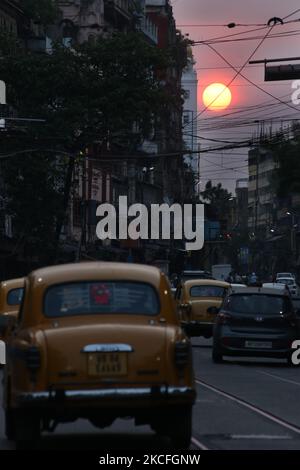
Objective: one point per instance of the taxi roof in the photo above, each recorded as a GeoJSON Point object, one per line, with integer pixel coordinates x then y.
{"type": "Point", "coordinates": [205, 282]}
{"type": "Point", "coordinates": [13, 283]}
{"type": "Point", "coordinates": [95, 270]}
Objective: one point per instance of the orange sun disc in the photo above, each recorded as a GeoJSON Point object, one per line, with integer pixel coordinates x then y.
{"type": "Point", "coordinates": [216, 97]}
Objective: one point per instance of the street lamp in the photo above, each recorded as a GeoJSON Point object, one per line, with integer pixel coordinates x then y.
{"type": "Point", "coordinates": [294, 225]}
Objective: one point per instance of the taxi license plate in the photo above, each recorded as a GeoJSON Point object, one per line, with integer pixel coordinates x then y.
{"type": "Point", "coordinates": [258, 344]}
{"type": "Point", "coordinates": [109, 364]}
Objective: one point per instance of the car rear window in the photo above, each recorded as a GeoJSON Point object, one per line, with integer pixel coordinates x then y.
{"type": "Point", "coordinates": [262, 304]}
{"type": "Point", "coordinates": [98, 297]}
{"type": "Point", "coordinates": [207, 291]}
{"type": "Point", "coordinates": [14, 296]}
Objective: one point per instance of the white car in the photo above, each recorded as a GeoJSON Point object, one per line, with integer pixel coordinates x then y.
{"type": "Point", "coordinates": [285, 276]}
{"type": "Point", "coordinates": [275, 285]}
{"type": "Point", "coordinates": [290, 283]}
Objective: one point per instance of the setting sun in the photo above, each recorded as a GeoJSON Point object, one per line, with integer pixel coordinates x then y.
{"type": "Point", "coordinates": [216, 97]}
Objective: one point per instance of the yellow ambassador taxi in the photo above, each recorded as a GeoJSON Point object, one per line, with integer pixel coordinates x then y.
{"type": "Point", "coordinates": [11, 293]}
{"type": "Point", "coordinates": [195, 299]}
{"type": "Point", "coordinates": [98, 340]}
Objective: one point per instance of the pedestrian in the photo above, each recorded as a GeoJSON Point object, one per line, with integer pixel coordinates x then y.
{"type": "Point", "coordinates": [253, 279]}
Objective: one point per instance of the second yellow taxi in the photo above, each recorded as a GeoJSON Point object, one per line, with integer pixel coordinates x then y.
{"type": "Point", "coordinates": [196, 300]}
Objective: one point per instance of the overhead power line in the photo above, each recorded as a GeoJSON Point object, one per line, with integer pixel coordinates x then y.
{"type": "Point", "coordinates": [251, 38]}
{"type": "Point", "coordinates": [238, 72]}
{"type": "Point", "coordinates": [250, 81]}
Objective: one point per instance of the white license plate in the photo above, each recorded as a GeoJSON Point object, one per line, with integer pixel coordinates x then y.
{"type": "Point", "coordinates": [107, 364]}
{"type": "Point", "coordinates": [259, 344]}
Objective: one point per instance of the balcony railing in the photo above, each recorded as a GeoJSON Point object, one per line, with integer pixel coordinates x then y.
{"type": "Point", "coordinates": [121, 7]}
{"type": "Point", "coordinates": [149, 29]}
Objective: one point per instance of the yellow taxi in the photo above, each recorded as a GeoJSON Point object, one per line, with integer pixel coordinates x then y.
{"type": "Point", "coordinates": [11, 293]}
{"type": "Point", "coordinates": [195, 299]}
{"type": "Point", "coordinates": [98, 341]}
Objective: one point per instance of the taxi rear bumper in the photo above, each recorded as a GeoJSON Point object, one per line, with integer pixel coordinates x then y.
{"type": "Point", "coordinates": [102, 397]}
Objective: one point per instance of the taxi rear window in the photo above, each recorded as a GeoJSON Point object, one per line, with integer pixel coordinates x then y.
{"type": "Point", "coordinates": [207, 291]}
{"type": "Point", "coordinates": [14, 296]}
{"type": "Point", "coordinates": [101, 297]}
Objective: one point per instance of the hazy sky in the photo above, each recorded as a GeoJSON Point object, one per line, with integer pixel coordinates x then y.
{"type": "Point", "coordinates": [247, 100]}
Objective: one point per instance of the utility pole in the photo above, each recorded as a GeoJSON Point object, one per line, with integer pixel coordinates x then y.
{"type": "Point", "coordinates": [257, 183]}
{"type": "Point", "coordinates": [83, 208]}
{"type": "Point", "coordinates": [256, 191]}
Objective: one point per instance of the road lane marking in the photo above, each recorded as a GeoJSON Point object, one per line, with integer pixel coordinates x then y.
{"type": "Point", "coordinates": [253, 408]}
{"type": "Point", "coordinates": [199, 444]}
{"type": "Point", "coordinates": [279, 378]}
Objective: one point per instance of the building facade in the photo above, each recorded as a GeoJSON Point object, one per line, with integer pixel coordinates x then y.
{"type": "Point", "coordinates": [83, 20]}
{"type": "Point", "coordinates": [241, 191]}
{"type": "Point", "coordinates": [190, 110]}
{"type": "Point", "coordinates": [145, 181]}
{"type": "Point", "coordinates": [261, 192]}
{"type": "Point", "coordinates": [10, 16]}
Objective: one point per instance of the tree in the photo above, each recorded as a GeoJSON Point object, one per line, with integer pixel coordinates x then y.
{"type": "Point", "coordinates": [34, 192]}
{"type": "Point", "coordinates": [105, 91]}
{"type": "Point", "coordinates": [286, 152]}
{"type": "Point", "coordinates": [217, 199]}
{"type": "Point", "coordinates": [41, 11]}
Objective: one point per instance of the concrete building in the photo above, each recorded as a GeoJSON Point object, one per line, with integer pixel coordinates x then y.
{"type": "Point", "coordinates": [10, 15]}
{"type": "Point", "coordinates": [83, 20]}
{"type": "Point", "coordinates": [152, 182]}
{"type": "Point", "coordinates": [273, 222]}
{"type": "Point", "coordinates": [169, 129]}
{"type": "Point", "coordinates": [241, 191]}
{"type": "Point", "coordinates": [261, 192]}
{"type": "Point", "coordinates": [190, 109]}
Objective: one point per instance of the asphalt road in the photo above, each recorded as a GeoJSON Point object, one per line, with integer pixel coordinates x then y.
{"type": "Point", "coordinates": [241, 404]}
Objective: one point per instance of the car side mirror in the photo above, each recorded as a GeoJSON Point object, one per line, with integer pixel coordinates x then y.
{"type": "Point", "coordinates": [213, 310]}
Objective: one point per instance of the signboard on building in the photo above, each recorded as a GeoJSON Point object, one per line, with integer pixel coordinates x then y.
{"type": "Point", "coordinates": [2, 92]}
{"type": "Point", "coordinates": [3, 107]}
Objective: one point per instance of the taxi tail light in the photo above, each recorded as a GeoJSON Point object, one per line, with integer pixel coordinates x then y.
{"type": "Point", "coordinates": [182, 353]}
{"type": "Point", "coordinates": [33, 358]}
{"type": "Point", "coordinates": [224, 318]}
